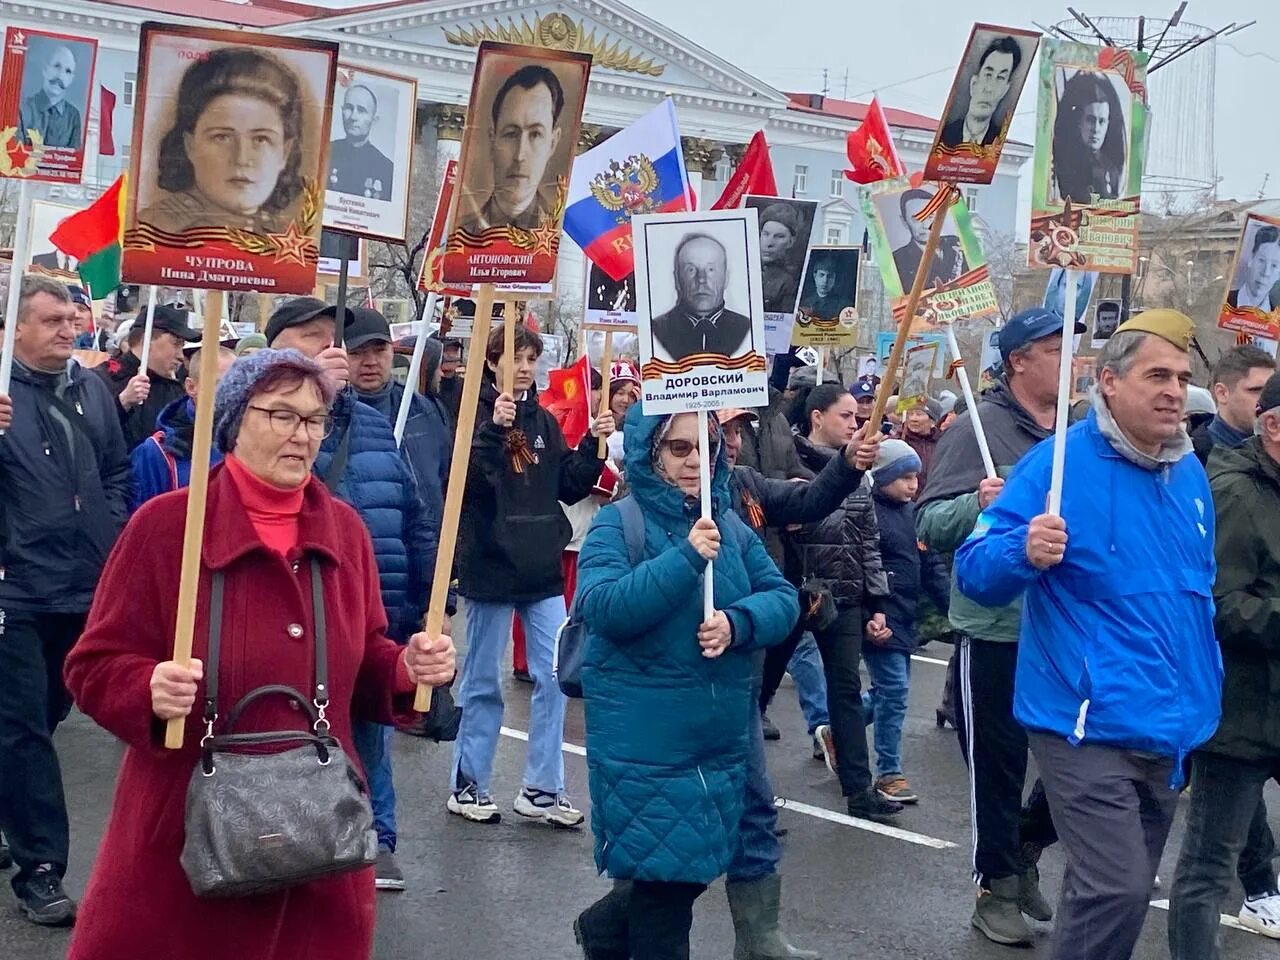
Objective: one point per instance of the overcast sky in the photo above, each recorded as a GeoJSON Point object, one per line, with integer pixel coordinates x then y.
{"type": "Point", "coordinates": [884, 50]}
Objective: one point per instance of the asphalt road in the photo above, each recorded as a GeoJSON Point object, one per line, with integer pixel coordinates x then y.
{"type": "Point", "coordinates": [511, 890]}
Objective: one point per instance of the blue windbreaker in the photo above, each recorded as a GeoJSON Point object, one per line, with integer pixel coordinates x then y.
{"type": "Point", "coordinates": [1117, 644]}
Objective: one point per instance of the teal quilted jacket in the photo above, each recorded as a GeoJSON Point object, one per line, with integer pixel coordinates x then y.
{"type": "Point", "coordinates": [666, 727]}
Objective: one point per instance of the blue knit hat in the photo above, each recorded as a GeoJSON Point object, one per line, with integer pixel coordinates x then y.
{"type": "Point", "coordinates": [896, 460]}
{"type": "Point", "coordinates": [235, 389]}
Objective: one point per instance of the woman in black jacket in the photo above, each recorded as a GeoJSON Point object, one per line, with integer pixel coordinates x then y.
{"type": "Point", "coordinates": [842, 595]}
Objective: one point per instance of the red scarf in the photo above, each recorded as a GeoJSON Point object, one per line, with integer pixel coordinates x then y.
{"type": "Point", "coordinates": [272, 511]}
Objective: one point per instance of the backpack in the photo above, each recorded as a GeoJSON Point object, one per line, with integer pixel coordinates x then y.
{"type": "Point", "coordinates": [571, 640]}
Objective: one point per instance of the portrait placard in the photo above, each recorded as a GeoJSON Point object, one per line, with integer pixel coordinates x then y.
{"type": "Point", "coordinates": [957, 282]}
{"type": "Point", "coordinates": [786, 227]}
{"type": "Point", "coordinates": [329, 264]}
{"type": "Point", "coordinates": [431, 274]}
{"type": "Point", "coordinates": [1252, 304]}
{"type": "Point", "coordinates": [884, 346]}
{"type": "Point", "coordinates": [371, 135]}
{"type": "Point", "coordinates": [828, 311]}
{"type": "Point", "coordinates": [230, 150]}
{"type": "Point", "coordinates": [45, 257]}
{"type": "Point", "coordinates": [1091, 134]}
{"type": "Point", "coordinates": [608, 302]}
{"type": "Point", "coordinates": [989, 362]}
{"type": "Point", "coordinates": [45, 88]}
{"type": "Point", "coordinates": [981, 105]}
{"type": "Point", "coordinates": [1107, 315]}
{"type": "Point", "coordinates": [917, 369]}
{"type": "Point", "coordinates": [513, 174]}
{"type": "Point", "coordinates": [700, 310]}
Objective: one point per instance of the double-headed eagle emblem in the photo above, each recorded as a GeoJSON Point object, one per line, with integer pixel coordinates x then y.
{"type": "Point", "coordinates": [626, 189]}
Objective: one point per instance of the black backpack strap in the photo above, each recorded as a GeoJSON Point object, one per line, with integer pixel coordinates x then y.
{"type": "Point", "coordinates": [322, 644]}
{"type": "Point", "coordinates": [338, 464]}
{"type": "Point", "coordinates": [632, 529]}
{"type": "Point", "coordinates": [215, 644]}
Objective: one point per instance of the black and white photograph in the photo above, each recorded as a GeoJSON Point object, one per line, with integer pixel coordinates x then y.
{"type": "Point", "coordinates": [1256, 281]}
{"type": "Point", "coordinates": [608, 301]}
{"type": "Point", "coordinates": [700, 308]}
{"type": "Point", "coordinates": [906, 237]}
{"type": "Point", "coordinates": [45, 257]}
{"type": "Point", "coordinates": [830, 283]}
{"type": "Point", "coordinates": [1106, 317]}
{"type": "Point", "coordinates": [371, 135]}
{"type": "Point", "coordinates": [1090, 136]}
{"type": "Point", "coordinates": [56, 80]}
{"type": "Point", "coordinates": [983, 100]}
{"type": "Point", "coordinates": [785, 230]}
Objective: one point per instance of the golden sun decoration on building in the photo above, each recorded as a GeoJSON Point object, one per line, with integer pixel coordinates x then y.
{"type": "Point", "coordinates": [555, 31]}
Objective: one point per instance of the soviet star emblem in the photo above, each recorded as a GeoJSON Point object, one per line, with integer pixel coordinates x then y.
{"type": "Point", "coordinates": [291, 245]}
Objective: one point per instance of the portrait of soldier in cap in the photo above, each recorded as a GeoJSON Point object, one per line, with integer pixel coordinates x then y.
{"type": "Point", "coordinates": [785, 226]}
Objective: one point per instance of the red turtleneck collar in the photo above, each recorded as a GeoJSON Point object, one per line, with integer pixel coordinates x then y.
{"type": "Point", "coordinates": [272, 511]}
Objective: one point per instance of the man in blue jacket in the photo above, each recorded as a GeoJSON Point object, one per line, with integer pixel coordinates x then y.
{"type": "Point", "coordinates": [1119, 675]}
{"type": "Point", "coordinates": [64, 483]}
{"type": "Point", "coordinates": [359, 462]}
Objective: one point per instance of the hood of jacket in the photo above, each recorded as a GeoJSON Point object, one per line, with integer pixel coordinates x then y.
{"type": "Point", "coordinates": [1171, 451]}
{"type": "Point", "coordinates": [652, 491]}
{"type": "Point", "coordinates": [177, 421]}
{"type": "Point", "coordinates": [1248, 459]}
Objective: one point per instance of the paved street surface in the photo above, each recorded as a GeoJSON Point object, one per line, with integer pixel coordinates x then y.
{"type": "Point", "coordinates": [511, 890]}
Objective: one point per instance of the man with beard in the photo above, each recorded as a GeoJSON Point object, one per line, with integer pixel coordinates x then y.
{"type": "Point", "coordinates": [356, 166]}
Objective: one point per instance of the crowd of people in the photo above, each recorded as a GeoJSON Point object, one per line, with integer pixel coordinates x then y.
{"type": "Point", "coordinates": [1093, 638]}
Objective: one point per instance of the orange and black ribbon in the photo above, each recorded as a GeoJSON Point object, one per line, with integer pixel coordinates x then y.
{"type": "Point", "coordinates": [518, 452]}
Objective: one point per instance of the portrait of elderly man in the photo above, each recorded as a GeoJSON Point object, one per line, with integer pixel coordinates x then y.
{"type": "Point", "coordinates": [988, 86]}
{"type": "Point", "coordinates": [47, 110]}
{"type": "Point", "coordinates": [524, 133]}
{"type": "Point", "coordinates": [356, 166]}
{"type": "Point", "coordinates": [700, 322]}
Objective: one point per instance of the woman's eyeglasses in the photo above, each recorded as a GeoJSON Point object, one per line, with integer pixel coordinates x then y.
{"type": "Point", "coordinates": [284, 423]}
{"type": "Point", "coordinates": [683, 449]}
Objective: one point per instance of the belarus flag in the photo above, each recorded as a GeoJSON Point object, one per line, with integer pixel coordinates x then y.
{"type": "Point", "coordinates": [637, 170]}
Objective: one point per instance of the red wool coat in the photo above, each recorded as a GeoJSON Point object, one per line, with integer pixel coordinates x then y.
{"type": "Point", "coordinates": [138, 902]}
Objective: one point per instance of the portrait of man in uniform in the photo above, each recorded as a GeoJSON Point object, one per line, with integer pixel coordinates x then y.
{"type": "Point", "coordinates": [47, 109]}
{"type": "Point", "coordinates": [830, 283]}
{"type": "Point", "coordinates": [356, 166]}
{"type": "Point", "coordinates": [524, 134]}
{"type": "Point", "coordinates": [785, 228]}
{"type": "Point", "coordinates": [982, 119]}
{"type": "Point", "coordinates": [699, 321]}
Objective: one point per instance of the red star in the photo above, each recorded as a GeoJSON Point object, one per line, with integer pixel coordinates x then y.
{"type": "Point", "coordinates": [18, 153]}
{"type": "Point", "coordinates": [545, 237]}
{"type": "Point", "coordinates": [291, 245]}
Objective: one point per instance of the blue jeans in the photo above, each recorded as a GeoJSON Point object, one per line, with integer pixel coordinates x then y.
{"type": "Point", "coordinates": [805, 668]}
{"type": "Point", "coordinates": [488, 629]}
{"type": "Point", "coordinates": [886, 701]}
{"type": "Point", "coordinates": [373, 746]}
{"type": "Point", "coordinates": [758, 850]}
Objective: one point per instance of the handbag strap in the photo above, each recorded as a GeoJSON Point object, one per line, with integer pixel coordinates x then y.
{"type": "Point", "coordinates": [321, 693]}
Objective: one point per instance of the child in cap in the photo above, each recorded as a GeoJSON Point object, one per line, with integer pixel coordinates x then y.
{"type": "Point", "coordinates": [910, 569]}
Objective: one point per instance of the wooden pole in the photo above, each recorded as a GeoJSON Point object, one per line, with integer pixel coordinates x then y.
{"type": "Point", "coordinates": [193, 534]}
{"type": "Point", "coordinates": [606, 363]}
{"type": "Point", "coordinates": [904, 327]}
{"type": "Point", "coordinates": [1064, 395]}
{"type": "Point", "coordinates": [457, 476]}
{"type": "Point", "coordinates": [508, 347]}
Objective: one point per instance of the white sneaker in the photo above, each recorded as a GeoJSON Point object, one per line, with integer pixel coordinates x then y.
{"type": "Point", "coordinates": [541, 805]}
{"type": "Point", "coordinates": [470, 804]}
{"type": "Point", "coordinates": [827, 741]}
{"type": "Point", "coordinates": [1262, 915]}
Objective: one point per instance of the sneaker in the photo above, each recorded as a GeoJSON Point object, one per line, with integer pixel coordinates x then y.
{"type": "Point", "coordinates": [817, 746]}
{"type": "Point", "coordinates": [771, 732]}
{"type": "Point", "coordinates": [827, 740]}
{"type": "Point", "coordinates": [1262, 914]}
{"type": "Point", "coordinates": [554, 809]}
{"type": "Point", "coordinates": [386, 872]}
{"type": "Point", "coordinates": [42, 899]}
{"type": "Point", "coordinates": [872, 806]}
{"type": "Point", "coordinates": [470, 804]}
{"type": "Point", "coordinates": [6, 859]}
{"type": "Point", "coordinates": [997, 917]}
{"type": "Point", "coordinates": [895, 787]}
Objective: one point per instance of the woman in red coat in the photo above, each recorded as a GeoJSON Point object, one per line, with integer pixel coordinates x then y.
{"type": "Point", "coordinates": [267, 517]}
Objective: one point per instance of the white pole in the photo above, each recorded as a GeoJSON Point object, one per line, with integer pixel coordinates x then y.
{"type": "Point", "coordinates": [21, 251]}
{"type": "Point", "coordinates": [415, 366]}
{"type": "Point", "coordinates": [145, 359]}
{"type": "Point", "coordinates": [704, 478]}
{"type": "Point", "coordinates": [970, 404]}
{"type": "Point", "coordinates": [822, 366]}
{"type": "Point", "coordinates": [1064, 395]}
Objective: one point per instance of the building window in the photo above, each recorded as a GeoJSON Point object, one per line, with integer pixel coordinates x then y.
{"type": "Point", "coordinates": [801, 182]}
{"type": "Point", "coordinates": [835, 235]}
{"type": "Point", "coordinates": [124, 154]}
{"type": "Point", "coordinates": [837, 183]}
{"type": "Point", "coordinates": [130, 83]}
{"type": "Point", "coordinates": [971, 199]}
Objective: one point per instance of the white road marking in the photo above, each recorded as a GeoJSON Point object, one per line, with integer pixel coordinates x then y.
{"type": "Point", "coordinates": [933, 660]}
{"type": "Point", "coordinates": [1227, 921]}
{"type": "Point", "coordinates": [566, 747]}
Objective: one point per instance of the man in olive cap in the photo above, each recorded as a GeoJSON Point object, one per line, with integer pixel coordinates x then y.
{"type": "Point", "coordinates": [779, 230]}
{"type": "Point", "coordinates": [1119, 676]}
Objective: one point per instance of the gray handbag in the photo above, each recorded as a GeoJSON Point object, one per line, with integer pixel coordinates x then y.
{"type": "Point", "coordinates": [258, 821]}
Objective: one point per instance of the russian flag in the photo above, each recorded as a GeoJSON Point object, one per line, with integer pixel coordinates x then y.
{"type": "Point", "coordinates": [637, 170]}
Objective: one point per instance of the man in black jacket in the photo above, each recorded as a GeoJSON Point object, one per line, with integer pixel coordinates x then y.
{"type": "Point", "coordinates": [64, 486]}
{"type": "Point", "coordinates": [510, 540]}
{"type": "Point", "coordinates": [141, 396]}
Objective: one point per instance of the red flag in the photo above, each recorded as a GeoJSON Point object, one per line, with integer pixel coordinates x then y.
{"type": "Point", "coordinates": [106, 116]}
{"type": "Point", "coordinates": [568, 399]}
{"type": "Point", "coordinates": [531, 321]}
{"type": "Point", "coordinates": [754, 175]}
{"type": "Point", "coordinates": [871, 151]}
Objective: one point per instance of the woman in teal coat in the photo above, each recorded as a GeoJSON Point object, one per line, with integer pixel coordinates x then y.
{"type": "Point", "coordinates": [667, 695]}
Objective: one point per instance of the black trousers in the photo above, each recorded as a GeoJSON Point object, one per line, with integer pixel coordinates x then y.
{"type": "Point", "coordinates": [776, 660]}
{"type": "Point", "coordinates": [33, 701]}
{"type": "Point", "coordinates": [641, 920]}
{"type": "Point", "coordinates": [841, 648]}
{"type": "Point", "coordinates": [995, 748]}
